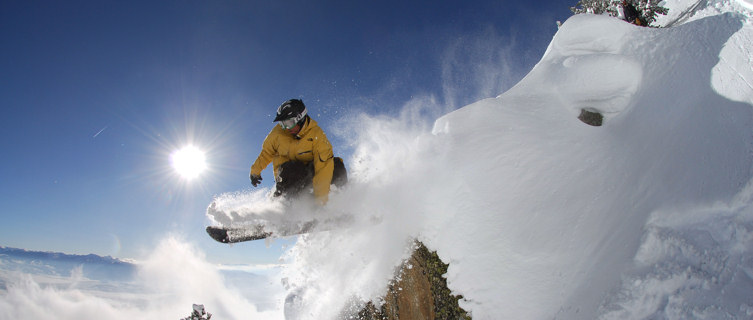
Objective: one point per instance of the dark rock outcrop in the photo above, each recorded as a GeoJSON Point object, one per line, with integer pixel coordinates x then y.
{"type": "Point", "coordinates": [419, 291]}
{"type": "Point", "coordinates": [591, 118]}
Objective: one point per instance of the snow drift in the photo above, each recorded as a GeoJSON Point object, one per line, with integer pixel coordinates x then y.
{"type": "Point", "coordinates": [570, 201]}
{"type": "Point", "coordinates": [541, 216]}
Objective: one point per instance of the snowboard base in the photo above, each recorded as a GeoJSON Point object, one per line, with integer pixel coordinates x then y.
{"type": "Point", "coordinates": [260, 231]}
{"type": "Point", "coordinates": [234, 235]}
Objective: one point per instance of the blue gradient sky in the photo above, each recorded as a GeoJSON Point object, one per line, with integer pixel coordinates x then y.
{"type": "Point", "coordinates": [95, 96]}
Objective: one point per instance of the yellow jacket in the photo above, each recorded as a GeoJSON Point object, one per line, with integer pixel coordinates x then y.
{"type": "Point", "coordinates": [310, 144]}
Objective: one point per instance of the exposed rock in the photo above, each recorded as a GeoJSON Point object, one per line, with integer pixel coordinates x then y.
{"type": "Point", "coordinates": [591, 118]}
{"type": "Point", "coordinates": [418, 292]}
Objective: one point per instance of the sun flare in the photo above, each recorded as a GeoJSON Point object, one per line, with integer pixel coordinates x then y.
{"type": "Point", "coordinates": [189, 162]}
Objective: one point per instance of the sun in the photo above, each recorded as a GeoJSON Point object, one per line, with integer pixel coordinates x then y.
{"type": "Point", "coordinates": [189, 162]}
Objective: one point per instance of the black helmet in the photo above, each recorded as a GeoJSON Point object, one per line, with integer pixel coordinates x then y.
{"type": "Point", "coordinates": [291, 109]}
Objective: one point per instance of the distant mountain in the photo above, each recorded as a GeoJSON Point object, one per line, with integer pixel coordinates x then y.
{"type": "Point", "coordinates": [60, 264]}
{"type": "Point", "coordinates": [41, 255]}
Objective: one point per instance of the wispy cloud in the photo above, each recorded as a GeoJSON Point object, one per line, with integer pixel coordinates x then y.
{"type": "Point", "coordinates": [172, 278]}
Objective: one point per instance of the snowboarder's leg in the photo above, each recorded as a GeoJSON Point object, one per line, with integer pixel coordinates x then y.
{"type": "Point", "coordinates": [293, 178]}
{"type": "Point", "coordinates": [340, 175]}
{"type": "Point", "coordinates": [296, 176]}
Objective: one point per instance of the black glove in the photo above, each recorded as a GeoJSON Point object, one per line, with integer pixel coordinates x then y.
{"type": "Point", "coordinates": [255, 180]}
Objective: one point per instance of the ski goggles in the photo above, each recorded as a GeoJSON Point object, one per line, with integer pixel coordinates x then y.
{"type": "Point", "coordinates": [288, 124]}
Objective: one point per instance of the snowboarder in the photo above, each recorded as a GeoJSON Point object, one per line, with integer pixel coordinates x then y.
{"type": "Point", "coordinates": [300, 154]}
{"type": "Point", "coordinates": [631, 14]}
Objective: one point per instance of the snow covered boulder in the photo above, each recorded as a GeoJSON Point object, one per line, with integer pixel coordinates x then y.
{"type": "Point", "coordinates": [550, 213]}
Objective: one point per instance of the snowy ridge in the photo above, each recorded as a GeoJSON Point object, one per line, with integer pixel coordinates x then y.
{"type": "Point", "coordinates": [59, 264]}
{"type": "Point", "coordinates": [541, 216]}
{"type": "Point", "coordinates": [27, 254]}
{"type": "Point", "coordinates": [587, 192]}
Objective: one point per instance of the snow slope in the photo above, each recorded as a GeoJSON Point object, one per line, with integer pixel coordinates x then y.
{"type": "Point", "coordinates": [571, 212]}
{"type": "Point", "coordinates": [541, 216]}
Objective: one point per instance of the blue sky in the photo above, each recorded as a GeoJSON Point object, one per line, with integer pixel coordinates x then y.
{"type": "Point", "coordinates": [96, 95]}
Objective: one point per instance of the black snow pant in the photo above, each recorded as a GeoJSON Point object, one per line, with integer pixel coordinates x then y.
{"type": "Point", "coordinates": [297, 176]}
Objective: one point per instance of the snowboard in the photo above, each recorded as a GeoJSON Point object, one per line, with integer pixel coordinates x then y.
{"type": "Point", "coordinates": [235, 235]}
{"type": "Point", "coordinates": [248, 216]}
{"type": "Point", "coordinates": [260, 230]}
{"type": "Point", "coordinates": [256, 232]}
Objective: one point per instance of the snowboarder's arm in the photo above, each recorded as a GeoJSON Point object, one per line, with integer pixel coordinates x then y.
{"type": "Point", "coordinates": [324, 166]}
{"type": "Point", "coordinates": [268, 152]}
